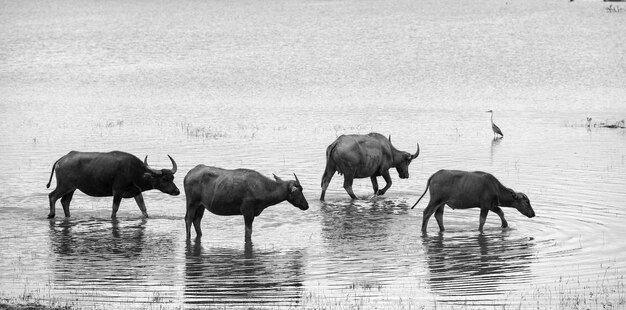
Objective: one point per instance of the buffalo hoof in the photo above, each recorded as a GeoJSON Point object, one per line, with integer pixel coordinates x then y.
{"type": "Point", "coordinates": [50, 216]}
{"type": "Point", "coordinates": [380, 193]}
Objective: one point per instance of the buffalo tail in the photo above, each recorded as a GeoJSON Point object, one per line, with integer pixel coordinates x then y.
{"type": "Point", "coordinates": [427, 185]}
{"type": "Point", "coordinates": [52, 173]}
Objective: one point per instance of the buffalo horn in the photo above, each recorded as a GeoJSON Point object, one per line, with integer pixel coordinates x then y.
{"type": "Point", "coordinates": [174, 166]}
{"type": "Point", "coordinates": [277, 178]}
{"type": "Point", "coordinates": [145, 161]}
{"type": "Point", "coordinates": [416, 153]}
{"type": "Point", "coordinates": [297, 181]}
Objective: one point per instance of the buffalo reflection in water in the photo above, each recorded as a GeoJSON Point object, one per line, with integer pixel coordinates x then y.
{"type": "Point", "coordinates": [362, 239]}
{"type": "Point", "coordinates": [96, 238]}
{"type": "Point", "coordinates": [361, 220]}
{"type": "Point", "coordinates": [234, 276]}
{"type": "Point", "coordinates": [478, 265]}
{"type": "Point", "coordinates": [107, 256]}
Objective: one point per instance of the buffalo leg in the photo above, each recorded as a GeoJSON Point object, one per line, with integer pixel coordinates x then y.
{"type": "Point", "coordinates": [428, 211]}
{"type": "Point", "coordinates": [374, 184]}
{"type": "Point", "coordinates": [347, 184]}
{"type": "Point", "coordinates": [387, 178]}
{"type": "Point", "coordinates": [55, 195]}
{"type": "Point", "coordinates": [191, 217]}
{"type": "Point", "coordinates": [439, 216]}
{"type": "Point", "coordinates": [248, 219]}
{"type": "Point", "coordinates": [53, 200]}
{"type": "Point", "coordinates": [499, 212]}
{"type": "Point", "coordinates": [196, 220]}
{"type": "Point", "coordinates": [483, 218]}
{"type": "Point", "coordinates": [117, 199]}
{"type": "Point", "coordinates": [188, 220]}
{"type": "Point", "coordinates": [141, 204]}
{"type": "Point", "coordinates": [328, 175]}
{"type": "Point", "coordinates": [65, 202]}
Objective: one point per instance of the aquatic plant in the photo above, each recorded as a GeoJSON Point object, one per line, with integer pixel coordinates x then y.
{"type": "Point", "coordinates": [110, 123]}
{"type": "Point", "coordinates": [602, 124]}
{"type": "Point", "coordinates": [205, 132]}
{"type": "Point", "coordinates": [613, 9]}
{"type": "Point", "coordinates": [27, 301]}
{"type": "Point", "coordinates": [618, 124]}
{"type": "Point", "coordinates": [607, 291]}
{"type": "Point", "coordinates": [341, 129]}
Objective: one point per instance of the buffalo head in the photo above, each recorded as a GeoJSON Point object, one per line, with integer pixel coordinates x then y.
{"type": "Point", "coordinates": [402, 161]}
{"type": "Point", "coordinates": [294, 194]}
{"type": "Point", "coordinates": [163, 179]}
{"type": "Point", "coordinates": [520, 202]}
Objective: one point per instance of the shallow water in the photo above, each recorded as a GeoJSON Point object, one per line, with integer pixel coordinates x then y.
{"type": "Point", "coordinates": [268, 87]}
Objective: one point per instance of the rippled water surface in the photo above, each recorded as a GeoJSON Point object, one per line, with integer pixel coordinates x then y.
{"type": "Point", "coordinates": [267, 86]}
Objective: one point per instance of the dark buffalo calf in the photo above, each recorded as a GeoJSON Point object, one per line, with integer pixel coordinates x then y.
{"type": "Point", "coordinates": [463, 190]}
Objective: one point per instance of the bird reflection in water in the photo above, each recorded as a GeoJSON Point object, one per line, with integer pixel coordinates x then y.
{"type": "Point", "coordinates": [495, 142]}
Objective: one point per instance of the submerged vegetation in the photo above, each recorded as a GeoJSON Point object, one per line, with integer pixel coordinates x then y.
{"type": "Point", "coordinates": [110, 123]}
{"type": "Point", "coordinates": [12, 304]}
{"type": "Point", "coordinates": [204, 132]}
{"type": "Point", "coordinates": [239, 130]}
{"type": "Point", "coordinates": [613, 9]}
{"type": "Point", "coordinates": [608, 291]}
{"type": "Point", "coordinates": [590, 123]}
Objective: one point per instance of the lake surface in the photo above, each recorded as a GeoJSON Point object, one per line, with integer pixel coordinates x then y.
{"type": "Point", "coordinates": [268, 86]}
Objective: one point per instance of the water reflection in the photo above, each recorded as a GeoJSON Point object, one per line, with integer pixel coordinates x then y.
{"type": "Point", "coordinates": [108, 259]}
{"type": "Point", "coordinates": [495, 142]}
{"type": "Point", "coordinates": [241, 276]}
{"type": "Point", "coordinates": [362, 241]}
{"type": "Point", "coordinates": [94, 237]}
{"type": "Point", "coordinates": [477, 265]}
{"type": "Point", "coordinates": [348, 220]}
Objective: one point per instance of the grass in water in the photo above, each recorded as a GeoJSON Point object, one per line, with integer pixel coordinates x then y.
{"type": "Point", "coordinates": [608, 291]}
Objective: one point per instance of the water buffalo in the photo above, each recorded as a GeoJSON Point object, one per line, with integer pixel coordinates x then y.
{"type": "Point", "coordinates": [235, 192]}
{"type": "Point", "coordinates": [362, 156]}
{"type": "Point", "coordinates": [116, 174]}
{"type": "Point", "coordinates": [463, 190]}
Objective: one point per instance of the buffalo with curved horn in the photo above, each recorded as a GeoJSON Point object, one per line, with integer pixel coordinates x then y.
{"type": "Point", "coordinates": [362, 156]}
{"type": "Point", "coordinates": [116, 174]}
{"type": "Point", "coordinates": [235, 192]}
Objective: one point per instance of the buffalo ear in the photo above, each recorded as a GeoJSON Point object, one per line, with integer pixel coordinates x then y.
{"type": "Point", "coordinates": [522, 196]}
{"type": "Point", "coordinates": [294, 189]}
{"type": "Point", "coordinates": [147, 176]}
{"type": "Point", "coordinates": [277, 178]}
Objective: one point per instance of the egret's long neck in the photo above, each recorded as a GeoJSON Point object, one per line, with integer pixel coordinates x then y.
{"type": "Point", "coordinates": [492, 117]}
